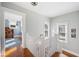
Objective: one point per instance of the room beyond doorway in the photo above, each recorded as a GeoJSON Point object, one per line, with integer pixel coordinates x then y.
{"type": "Point", "coordinates": [13, 33]}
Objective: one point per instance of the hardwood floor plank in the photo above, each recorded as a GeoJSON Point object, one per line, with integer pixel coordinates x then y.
{"type": "Point", "coordinates": [68, 54]}
{"type": "Point", "coordinates": [56, 54]}
{"type": "Point", "coordinates": [18, 52]}
{"type": "Point", "coordinates": [27, 53]}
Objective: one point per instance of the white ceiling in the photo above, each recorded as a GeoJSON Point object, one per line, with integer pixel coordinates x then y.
{"type": "Point", "coordinates": [50, 9]}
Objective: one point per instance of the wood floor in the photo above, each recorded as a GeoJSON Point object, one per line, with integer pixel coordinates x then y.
{"type": "Point", "coordinates": [14, 52]}
{"type": "Point", "coordinates": [68, 54]}
{"type": "Point", "coordinates": [25, 52]}
{"type": "Point", "coordinates": [18, 52]}
{"type": "Point", "coordinates": [55, 54]}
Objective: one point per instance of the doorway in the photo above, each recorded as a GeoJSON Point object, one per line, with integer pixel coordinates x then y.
{"type": "Point", "coordinates": [13, 34]}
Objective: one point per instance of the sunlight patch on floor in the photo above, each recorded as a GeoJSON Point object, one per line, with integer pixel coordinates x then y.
{"type": "Point", "coordinates": [10, 51]}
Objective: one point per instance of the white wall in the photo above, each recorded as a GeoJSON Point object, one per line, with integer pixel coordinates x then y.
{"type": "Point", "coordinates": [34, 26]}
{"type": "Point", "coordinates": [1, 29]}
{"type": "Point", "coordinates": [72, 19]}
{"type": "Point", "coordinates": [0, 23]}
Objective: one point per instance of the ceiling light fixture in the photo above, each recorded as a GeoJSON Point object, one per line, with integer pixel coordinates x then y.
{"type": "Point", "coordinates": [34, 3]}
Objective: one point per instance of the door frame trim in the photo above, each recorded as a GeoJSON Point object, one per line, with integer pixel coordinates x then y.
{"type": "Point", "coordinates": [23, 23]}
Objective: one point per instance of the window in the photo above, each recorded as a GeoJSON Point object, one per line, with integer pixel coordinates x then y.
{"type": "Point", "coordinates": [62, 32]}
